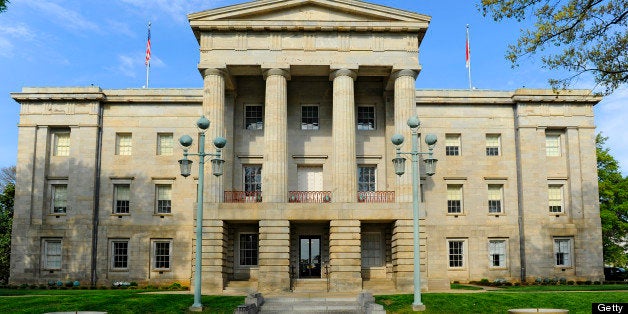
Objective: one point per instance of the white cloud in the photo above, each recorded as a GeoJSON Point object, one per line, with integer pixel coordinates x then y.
{"type": "Point", "coordinates": [66, 18]}
{"type": "Point", "coordinates": [176, 10]}
{"type": "Point", "coordinates": [130, 65]}
{"type": "Point", "coordinates": [9, 34]}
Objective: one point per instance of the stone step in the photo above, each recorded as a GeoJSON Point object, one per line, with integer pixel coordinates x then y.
{"type": "Point", "coordinates": [310, 305]}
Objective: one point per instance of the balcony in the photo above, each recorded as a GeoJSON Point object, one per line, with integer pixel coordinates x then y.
{"type": "Point", "coordinates": [309, 196]}
{"type": "Point", "coordinates": [243, 197]}
{"type": "Point", "coordinates": [376, 197]}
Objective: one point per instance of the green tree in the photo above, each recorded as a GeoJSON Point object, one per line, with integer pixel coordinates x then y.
{"type": "Point", "coordinates": [3, 5]}
{"type": "Point", "coordinates": [7, 186]}
{"type": "Point", "coordinates": [613, 189]}
{"type": "Point", "coordinates": [581, 36]}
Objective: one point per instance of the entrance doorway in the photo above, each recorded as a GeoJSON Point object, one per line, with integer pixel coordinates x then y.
{"type": "Point", "coordinates": [310, 256]}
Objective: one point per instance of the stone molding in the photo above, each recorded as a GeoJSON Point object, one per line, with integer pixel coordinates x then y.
{"type": "Point", "coordinates": [277, 71]}
{"type": "Point", "coordinates": [343, 72]}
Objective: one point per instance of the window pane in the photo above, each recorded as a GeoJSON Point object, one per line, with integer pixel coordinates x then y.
{"type": "Point", "coordinates": [123, 144]}
{"type": "Point", "coordinates": [454, 198]}
{"type": "Point", "coordinates": [120, 254]}
{"type": "Point", "coordinates": [164, 198]}
{"type": "Point", "coordinates": [309, 118]}
{"type": "Point", "coordinates": [555, 195]}
{"type": "Point", "coordinates": [248, 249]}
{"type": "Point", "coordinates": [366, 178]}
{"type": "Point", "coordinates": [165, 144]}
{"type": "Point", "coordinates": [162, 255]}
{"type": "Point", "coordinates": [252, 178]}
{"type": "Point", "coordinates": [62, 144]}
{"type": "Point", "coordinates": [452, 144]}
{"type": "Point", "coordinates": [492, 144]}
{"type": "Point", "coordinates": [494, 198]}
{"type": "Point", "coordinates": [497, 253]}
{"type": "Point", "coordinates": [122, 195]}
{"type": "Point", "coordinates": [253, 117]}
{"type": "Point", "coordinates": [59, 198]}
{"type": "Point", "coordinates": [372, 249]}
{"type": "Point", "coordinates": [562, 251]}
{"type": "Point", "coordinates": [52, 254]}
{"type": "Point", "coordinates": [552, 144]}
{"type": "Point", "coordinates": [366, 118]}
{"type": "Point", "coordinates": [456, 253]}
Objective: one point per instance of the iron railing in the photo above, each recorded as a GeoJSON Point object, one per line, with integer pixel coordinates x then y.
{"type": "Point", "coordinates": [309, 196]}
{"type": "Point", "coordinates": [376, 197]}
{"type": "Point", "coordinates": [243, 197]}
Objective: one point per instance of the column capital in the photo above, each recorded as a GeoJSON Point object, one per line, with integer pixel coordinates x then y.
{"type": "Point", "coordinates": [213, 71]}
{"type": "Point", "coordinates": [343, 72]}
{"type": "Point", "coordinates": [277, 71]}
{"type": "Point", "coordinates": [405, 72]}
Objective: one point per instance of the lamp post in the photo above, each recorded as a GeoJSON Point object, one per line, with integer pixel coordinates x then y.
{"type": "Point", "coordinates": [430, 168]}
{"type": "Point", "coordinates": [217, 169]}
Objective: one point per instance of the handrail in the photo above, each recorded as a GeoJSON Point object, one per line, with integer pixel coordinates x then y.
{"type": "Point", "coordinates": [242, 197]}
{"type": "Point", "coordinates": [376, 197]}
{"type": "Point", "coordinates": [309, 196]}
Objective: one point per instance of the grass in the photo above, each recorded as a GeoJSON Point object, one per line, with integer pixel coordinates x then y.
{"type": "Point", "coordinates": [111, 301]}
{"type": "Point", "coordinates": [576, 299]}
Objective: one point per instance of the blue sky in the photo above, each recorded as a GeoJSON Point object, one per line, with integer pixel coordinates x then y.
{"type": "Point", "coordinates": [102, 42]}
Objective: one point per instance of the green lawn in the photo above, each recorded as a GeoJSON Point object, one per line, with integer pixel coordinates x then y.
{"type": "Point", "coordinates": [136, 301]}
{"type": "Point", "coordinates": [111, 301]}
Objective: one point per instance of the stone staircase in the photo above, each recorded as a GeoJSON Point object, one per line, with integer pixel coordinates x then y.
{"type": "Point", "coordinates": [310, 286]}
{"type": "Point", "coordinates": [346, 305]}
{"type": "Point", "coordinates": [240, 287]}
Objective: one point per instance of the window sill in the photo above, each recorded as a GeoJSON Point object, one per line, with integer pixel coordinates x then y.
{"type": "Point", "coordinates": [160, 270]}
{"type": "Point", "coordinates": [496, 214]}
{"type": "Point", "coordinates": [57, 214]}
{"type": "Point", "coordinates": [163, 215]}
{"type": "Point", "coordinates": [563, 267]}
{"type": "Point", "coordinates": [498, 268]}
{"type": "Point", "coordinates": [455, 215]}
{"type": "Point", "coordinates": [557, 214]}
{"type": "Point", "coordinates": [119, 270]}
{"type": "Point", "coordinates": [120, 214]}
{"type": "Point", "coordinates": [457, 269]}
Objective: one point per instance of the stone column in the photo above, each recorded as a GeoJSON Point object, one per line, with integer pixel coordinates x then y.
{"type": "Point", "coordinates": [403, 255]}
{"type": "Point", "coordinates": [274, 255]}
{"type": "Point", "coordinates": [214, 110]}
{"type": "Point", "coordinates": [405, 107]}
{"type": "Point", "coordinates": [214, 256]}
{"type": "Point", "coordinates": [345, 257]}
{"type": "Point", "coordinates": [345, 185]}
{"type": "Point", "coordinates": [275, 173]}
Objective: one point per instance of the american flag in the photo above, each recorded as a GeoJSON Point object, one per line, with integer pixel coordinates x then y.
{"type": "Point", "coordinates": [148, 47]}
{"type": "Point", "coordinates": [467, 50]}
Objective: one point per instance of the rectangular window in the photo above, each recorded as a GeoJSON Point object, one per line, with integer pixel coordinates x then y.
{"type": "Point", "coordinates": [366, 178]}
{"type": "Point", "coordinates": [454, 198]}
{"type": "Point", "coordinates": [309, 117]}
{"type": "Point", "coordinates": [253, 178]}
{"type": "Point", "coordinates": [555, 194]}
{"type": "Point", "coordinates": [366, 118]}
{"type": "Point", "coordinates": [563, 251]}
{"type": "Point", "coordinates": [253, 117]}
{"type": "Point", "coordinates": [120, 254]}
{"type": "Point", "coordinates": [162, 254]}
{"type": "Point", "coordinates": [61, 143]}
{"type": "Point", "coordinates": [124, 144]}
{"type": "Point", "coordinates": [452, 144]}
{"type": "Point", "coordinates": [165, 144]}
{"type": "Point", "coordinates": [52, 254]}
{"type": "Point", "coordinates": [456, 253]}
{"type": "Point", "coordinates": [492, 144]}
{"type": "Point", "coordinates": [495, 195]}
{"type": "Point", "coordinates": [59, 198]}
{"type": "Point", "coordinates": [163, 194]}
{"type": "Point", "coordinates": [122, 198]}
{"type": "Point", "coordinates": [372, 249]}
{"type": "Point", "coordinates": [552, 144]}
{"type": "Point", "coordinates": [497, 253]}
{"type": "Point", "coordinates": [248, 249]}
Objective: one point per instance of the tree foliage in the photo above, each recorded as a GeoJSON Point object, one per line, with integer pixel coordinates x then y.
{"type": "Point", "coordinates": [581, 36]}
{"type": "Point", "coordinates": [7, 187]}
{"type": "Point", "coordinates": [613, 189]}
{"type": "Point", "coordinates": [3, 5]}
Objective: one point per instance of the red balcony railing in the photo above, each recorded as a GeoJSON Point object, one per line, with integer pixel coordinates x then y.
{"type": "Point", "coordinates": [309, 196]}
{"type": "Point", "coordinates": [243, 197]}
{"type": "Point", "coordinates": [376, 197]}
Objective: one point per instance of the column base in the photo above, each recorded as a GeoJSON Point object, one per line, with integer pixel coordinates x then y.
{"type": "Point", "coordinates": [418, 308]}
{"type": "Point", "coordinates": [196, 308]}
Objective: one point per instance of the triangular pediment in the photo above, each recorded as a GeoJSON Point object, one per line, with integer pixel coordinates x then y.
{"type": "Point", "coordinates": [293, 12]}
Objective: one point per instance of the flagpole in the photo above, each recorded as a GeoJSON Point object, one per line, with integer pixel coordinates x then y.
{"type": "Point", "coordinates": [148, 53]}
{"type": "Point", "coordinates": [468, 57]}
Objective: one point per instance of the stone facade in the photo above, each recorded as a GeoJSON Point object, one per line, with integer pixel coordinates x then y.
{"type": "Point", "coordinates": [308, 95]}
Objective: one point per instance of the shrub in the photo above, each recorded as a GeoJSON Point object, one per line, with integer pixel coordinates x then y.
{"type": "Point", "coordinates": [571, 282]}
{"type": "Point", "coordinates": [484, 282]}
{"type": "Point", "coordinates": [69, 284]}
{"type": "Point", "coordinates": [174, 286]}
{"type": "Point", "coordinates": [23, 286]}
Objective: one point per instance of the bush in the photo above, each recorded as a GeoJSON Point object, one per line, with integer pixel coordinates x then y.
{"type": "Point", "coordinates": [571, 283]}
{"type": "Point", "coordinates": [174, 286]}
{"type": "Point", "coordinates": [484, 282]}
